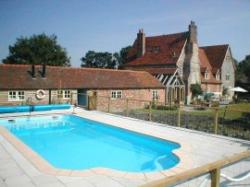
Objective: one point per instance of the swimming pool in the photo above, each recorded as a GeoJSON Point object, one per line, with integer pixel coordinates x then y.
{"type": "Point", "coordinates": [71, 142]}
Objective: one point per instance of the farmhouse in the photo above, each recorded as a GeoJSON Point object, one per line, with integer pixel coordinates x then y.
{"type": "Point", "coordinates": [178, 61]}
{"type": "Point", "coordinates": [29, 84]}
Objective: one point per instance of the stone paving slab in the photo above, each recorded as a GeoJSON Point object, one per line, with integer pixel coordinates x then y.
{"type": "Point", "coordinates": [198, 149]}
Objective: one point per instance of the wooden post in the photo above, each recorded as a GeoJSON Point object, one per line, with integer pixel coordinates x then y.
{"type": "Point", "coordinates": [150, 111]}
{"type": "Point", "coordinates": [216, 114]}
{"type": "Point", "coordinates": [109, 104]}
{"type": "Point", "coordinates": [71, 98]}
{"type": "Point", "coordinates": [127, 109]}
{"type": "Point", "coordinates": [215, 177]}
{"type": "Point", "coordinates": [179, 115]}
{"type": "Point", "coordinates": [89, 102]}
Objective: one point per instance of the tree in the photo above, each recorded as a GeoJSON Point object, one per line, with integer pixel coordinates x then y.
{"type": "Point", "coordinates": [99, 60]}
{"type": "Point", "coordinates": [122, 55]}
{"type": "Point", "coordinates": [243, 69]}
{"type": "Point", "coordinates": [196, 90]}
{"type": "Point", "coordinates": [37, 49]}
{"type": "Point", "coordinates": [225, 91]}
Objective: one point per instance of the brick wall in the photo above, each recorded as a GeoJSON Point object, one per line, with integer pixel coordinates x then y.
{"type": "Point", "coordinates": [137, 98]}
{"type": "Point", "coordinates": [211, 87]}
{"type": "Point", "coordinates": [30, 98]}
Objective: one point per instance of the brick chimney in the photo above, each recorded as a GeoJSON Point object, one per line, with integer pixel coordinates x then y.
{"type": "Point", "coordinates": [192, 28]}
{"type": "Point", "coordinates": [141, 43]}
{"type": "Point", "coordinates": [191, 66]}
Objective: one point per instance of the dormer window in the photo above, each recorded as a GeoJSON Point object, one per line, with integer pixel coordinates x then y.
{"type": "Point", "coordinates": [154, 49]}
{"type": "Point", "coordinates": [173, 54]}
{"type": "Point", "coordinates": [218, 75]}
{"type": "Point", "coordinates": [206, 75]}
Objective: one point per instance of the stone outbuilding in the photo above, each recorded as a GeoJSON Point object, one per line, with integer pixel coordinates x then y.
{"type": "Point", "coordinates": [26, 84]}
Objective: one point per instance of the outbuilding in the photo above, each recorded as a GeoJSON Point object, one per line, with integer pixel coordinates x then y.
{"type": "Point", "coordinates": [40, 84]}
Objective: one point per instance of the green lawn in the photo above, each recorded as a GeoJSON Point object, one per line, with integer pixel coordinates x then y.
{"type": "Point", "coordinates": [233, 119]}
{"type": "Point", "coordinates": [229, 112]}
{"type": "Point", "coordinates": [235, 110]}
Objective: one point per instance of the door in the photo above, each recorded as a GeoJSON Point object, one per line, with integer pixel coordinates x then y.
{"type": "Point", "coordinates": [92, 101]}
{"type": "Point", "coordinates": [82, 97]}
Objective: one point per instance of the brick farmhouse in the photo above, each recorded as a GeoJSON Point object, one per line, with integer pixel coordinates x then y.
{"type": "Point", "coordinates": [21, 84]}
{"type": "Point", "coordinates": [178, 61]}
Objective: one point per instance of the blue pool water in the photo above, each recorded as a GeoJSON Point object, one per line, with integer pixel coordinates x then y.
{"type": "Point", "coordinates": [71, 142]}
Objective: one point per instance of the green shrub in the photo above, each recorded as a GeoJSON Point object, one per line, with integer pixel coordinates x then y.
{"type": "Point", "coordinates": [215, 104]}
{"type": "Point", "coordinates": [200, 108]}
{"type": "Point", "coordinates": [196, 89]}
{"type": "Point", "coordinates": [164, 107]}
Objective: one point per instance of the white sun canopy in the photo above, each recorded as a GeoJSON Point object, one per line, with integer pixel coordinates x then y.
{"type": "Point", "coordinates": [238, 89]}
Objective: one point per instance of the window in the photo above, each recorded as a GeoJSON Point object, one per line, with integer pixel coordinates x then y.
{"type": "Point", "coordinates": [227, 77]}
{"type": "Point", "coordinates": [154, 49]}
{"type": "Point", "coordinates": [217, 76]}
{"type": "Point", "coordinates": [16, 95]}
{"type": "Point", "coordinates": [65, 94]}
{"type": "Point", "coordinates": [59, 93]}
{"type": "Point", "coordinates": [155, 95]}
{"type": "Point", "coordinates": [116, 94]}
{"type": "Point", "coordinates": [206, 75]}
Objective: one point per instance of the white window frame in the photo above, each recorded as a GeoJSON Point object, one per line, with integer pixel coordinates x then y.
{"type": "Point", "coordinates": [16, 95]}
{"type": "Point", "coordinates": [206, 75]}
{"type": "Point", "coordinates": [60, 94]}
{"type": "Point", "coordinates": [116, 94]}
{"type": "Point", "coordinates": [217, 76]}
{"type": "Point", "coordinates": [64, 94]}
{"type": "Point", "coordinates": [227, 77]}
{"type": "Point", "coordinates": [155, 95]}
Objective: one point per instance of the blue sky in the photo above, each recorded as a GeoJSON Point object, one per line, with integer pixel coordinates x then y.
{"type": "Point", "coordinates": [108, 25]}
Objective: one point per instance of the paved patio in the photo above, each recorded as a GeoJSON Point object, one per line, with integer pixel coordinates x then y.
{"type": "Point", "coordinates": [197, 149]}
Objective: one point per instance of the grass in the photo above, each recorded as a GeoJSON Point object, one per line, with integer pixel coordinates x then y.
{"type": "Point", "coordinates": [234, 120]}
{"type": "Point", "coordinates": [235, 110]}
{"type": "Point", "coordinates": [228, 112]}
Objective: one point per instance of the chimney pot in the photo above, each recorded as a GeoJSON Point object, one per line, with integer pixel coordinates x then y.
{"type": "Point", "coordinates": [44, 70]}
{"type": "Point", "coordinates": [33, 71]}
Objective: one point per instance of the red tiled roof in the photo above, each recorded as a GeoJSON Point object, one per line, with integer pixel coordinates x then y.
{"type": "Point", "coordinates": [170, 47]}
{"type": "Point", "coordinates": [19, 77]}
{"type": "Point", "coordinates": [212, 80]}
{"type": "Point", "coordinates": [204, 62]}
{"type": "Point", "coordinates": [206, 66]}
{"type": "Point", "coordinates": [155, 70]}
{"type": "Point", "coordinates": [216, 55]}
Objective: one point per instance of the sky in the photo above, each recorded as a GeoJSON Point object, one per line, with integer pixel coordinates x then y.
{"type": "Point", "coordinates": [109, 25]}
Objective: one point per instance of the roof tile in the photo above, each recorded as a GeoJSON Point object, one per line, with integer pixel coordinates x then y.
{"type": "Point", "coordinates": [18, 77]}
{"type": "Point", "coordinates": [169, 49]}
